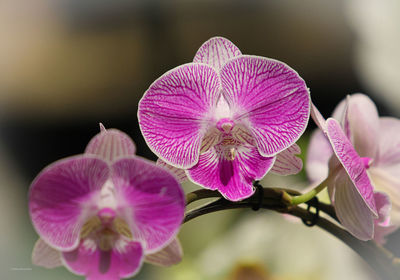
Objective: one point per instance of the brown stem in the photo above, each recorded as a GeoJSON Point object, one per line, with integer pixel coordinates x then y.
{"type": "Point", "coordinates": [380, 260]}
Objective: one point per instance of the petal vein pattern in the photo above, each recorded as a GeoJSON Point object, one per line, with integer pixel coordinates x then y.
{"type": "Point", "coordinates": [152, 199]}
{"type": "Point", "coordinates": [268, 97]}
{"type": "Point", "coordinates": [351, 162]}
{"type": "Point", "coordinates": [174, 113]}
{"type": "Point", "coordinates": [60, 198]}
{"type": "Point", "coordinates": [232, 177]}
{"type": "Point", "coordinates": [216, 52]}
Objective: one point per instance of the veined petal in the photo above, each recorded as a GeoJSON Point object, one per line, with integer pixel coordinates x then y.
{"type": "Point", "coordinates": [363, 121]}
{"type": "Point", "coordinates": [232, 178]}
{"type": "Point", "coordinates": [179, 173]}
{"type": "Point", "coordinates": [351, 209]}
{"type": "Point", "coordinates": [351, 162]}
{"type": "Point", "coordinates": [46, 256]}
{"type": "Point", "coordinates": [269, 98]}
{"type": "Point", "coordinates": [60, 198]}
{"type": "Point", "coordinates": [111, 144]}
{"type": "Point", "coordinates": [216, 52]}
{"type": "Point", "coordinates": [151, 201]}
{"type": "Point", "coordinates": [318, 155]}
{"type": "Point", "coordinates": [170, 255]}
{"type": "Point", "coordinates": [122, 261]}
{"type": "Point", "coordinates": [174, 112]}
{"type": "Point", "coordinates": [388, 157]}
{"type": "Point", "coordinates": [287, 163]}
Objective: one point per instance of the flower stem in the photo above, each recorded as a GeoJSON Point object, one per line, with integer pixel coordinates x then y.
{"type": "Point", "coordinates": [383, 262]}
{"type": "Point", "coordinates": [200, 194]}
{"type": "Point", "coordinates": [295, 200]}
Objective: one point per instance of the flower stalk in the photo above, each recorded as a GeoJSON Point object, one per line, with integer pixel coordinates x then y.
{"type": "Point", "coordinates": [296, 200]}
{"type": "Point", "coordinates": [382, 261]}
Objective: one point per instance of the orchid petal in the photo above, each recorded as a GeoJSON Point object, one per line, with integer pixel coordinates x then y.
{"type": "Point", "coordinates": [111, 144]}
{"type": "Point", "coordinates": [60, 198]}
{"type": "Point", "coordinates": [383, 206]}
{"type": "Point", "coordinates": [179, 173]}
{"type": "Point", "coordinates": [287, 163]}
{"type": "Point", "coordinates": [318, 155]}
{"type": "Point", "coordinates": [363, 120]}
{"type": "Point", "coordinates": [174, 112]}
{"type": "Point", "coordinates": [388, 157]}
{"type": "Point", "coordinates": [152, 200]}
{"type": "Point", "coordinates": [317, 117]}
{"type": "Point", "coordinates": [45, 256]}
{"type": "Point", "coordinates": [384, 181]}
{"type": "Point", "coordinates": [351, 162]}
{"type": "Point", "coordinates": [232, 178]}
{"type": "Point", "coordinates": [122, 261]}
{"type": "Point", "coordinates": [351, 209]}
{"type": "Point", "coordinates": [340, 111]}
{"type": "Point", "coordinates": [269, 98]}
{"type": "Point", "coordinates": [216, 52]}
{"type": "Point", "coordinates": [382, 224]}
{"type": "Point", "coordinates": [170, 255]}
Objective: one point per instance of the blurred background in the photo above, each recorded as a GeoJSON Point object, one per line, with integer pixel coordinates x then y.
{"type": "Point", "coordinates": [66, 65]}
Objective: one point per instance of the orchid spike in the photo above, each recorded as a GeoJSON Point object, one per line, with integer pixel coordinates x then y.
{"type": "Point", "coordinates": [225, 117]}
{"type": "Point", "coordinates": [102, 213]}
{"type": "Point", "coordinates": [372, 142]}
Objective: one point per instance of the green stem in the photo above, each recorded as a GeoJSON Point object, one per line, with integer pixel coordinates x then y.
{"type": "Point", "coordinates": [295, 200]}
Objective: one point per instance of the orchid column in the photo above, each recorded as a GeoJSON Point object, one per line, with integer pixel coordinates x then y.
{"type": "Point", "coordinates": [225, 117]}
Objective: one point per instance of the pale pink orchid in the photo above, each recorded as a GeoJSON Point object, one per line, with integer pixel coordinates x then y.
{"type": "Point", "coordinates": [366, 161]}
{"type": "Point", "coordinates": [102, 213]}
{"type": "Point", "coordinates": [227, 118]}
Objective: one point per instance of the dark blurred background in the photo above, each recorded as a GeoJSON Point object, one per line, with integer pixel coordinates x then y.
{"type": "Point", "coordinates": [67, 65]}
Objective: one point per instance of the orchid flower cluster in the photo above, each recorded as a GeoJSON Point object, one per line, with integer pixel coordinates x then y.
{"type": "Point", "coordinates": [222, 121]}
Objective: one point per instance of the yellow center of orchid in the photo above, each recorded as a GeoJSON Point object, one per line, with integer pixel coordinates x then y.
{"type": "Point", "coordinates": [106, 227]}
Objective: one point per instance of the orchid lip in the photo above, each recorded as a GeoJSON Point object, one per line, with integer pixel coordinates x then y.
{"type": "Point", "coordinates": [106, 215]}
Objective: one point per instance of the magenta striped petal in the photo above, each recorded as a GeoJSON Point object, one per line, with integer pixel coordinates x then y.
{"type": "Point", "coordinates": [151, 200]}
{"type": "Point", "coordinates": [363, 121]}
{"type": "Point", "coordinates": [111, 144]}
{"type": "Point", "coordinates": [45, 256]}
{"type": "Point", "coordinates": [174, 113]}
{"type": "Point", "coordinates": [270, 97]}
{"type": "Point", "coordinates": [287, 163]}
{"type": "Point", "coordinates": [122, 261]}
{"type": "Point", "coordinates": [170, 255]}
{"type": "Point", "coordinates": [216, 52]}
{"type": "Point", "coordinates": [351, 162]}
{"type": "Point", "coordinates": [60, 198]}
{"type": "Point", "coordinates": [232, 178]}
{"type": "Point", "coordinates": [351, 209]}
{"type": "Point", "coordinates": [179, 173]}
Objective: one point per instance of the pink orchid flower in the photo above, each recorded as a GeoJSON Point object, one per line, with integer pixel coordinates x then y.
{"type": "Point", "coordinates": [225, 117]}
{"type": "Point", "coordinates": [102, 213]}
{"type": "Point", "coordinates": [365, 149]}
